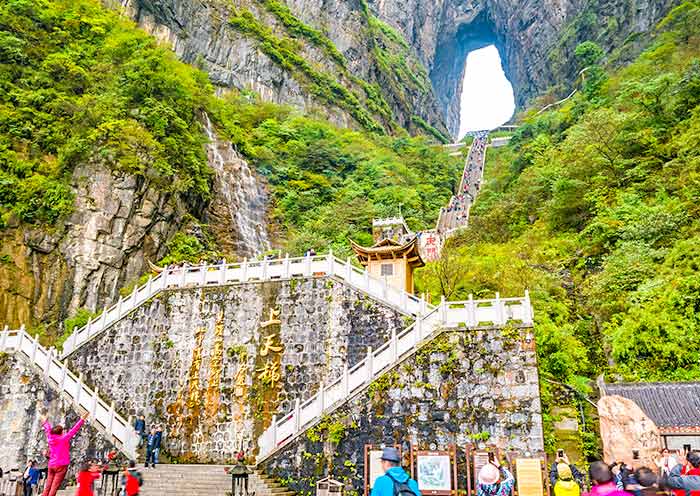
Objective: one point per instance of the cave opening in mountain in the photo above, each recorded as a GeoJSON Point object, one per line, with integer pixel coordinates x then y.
{"type": "Point", "coordinates": [471, 76]}
{"type": "Point", "coordinates": [487, 96]}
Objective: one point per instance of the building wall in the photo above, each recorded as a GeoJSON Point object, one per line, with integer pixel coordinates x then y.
{"type": "Point", "coordinates": [24, 396]}
{"type": "Point", "coordinates": [399, 279]}
{"type": "Point", "coordinates": [463, 386]}
{"type": "Point", "coordinates": [677, 442]}
{"type": "Point", "coordinates": [213, 365]}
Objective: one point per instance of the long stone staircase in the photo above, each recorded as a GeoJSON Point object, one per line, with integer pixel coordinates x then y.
{"type": "Point", "coordinates": [468, 315]}
{"type": "Point", "coordinates": [190, 480]}
{"type": "Point", "coordinates": [456, 214]}
{"type": "Point", "coordinates": [102, 414]}
{"type": "Point", "coordinates": [239, 273]}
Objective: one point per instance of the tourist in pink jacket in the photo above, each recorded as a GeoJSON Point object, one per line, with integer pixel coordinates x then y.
{"type": "Point", "coordinates": [59, 453]}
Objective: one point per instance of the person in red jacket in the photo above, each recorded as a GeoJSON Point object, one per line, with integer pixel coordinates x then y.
{"type": "Point", "coordinates": [89, 473]}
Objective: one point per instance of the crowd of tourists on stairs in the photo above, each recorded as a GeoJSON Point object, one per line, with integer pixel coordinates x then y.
{"type": "Point", "coordinates": [458, 207]}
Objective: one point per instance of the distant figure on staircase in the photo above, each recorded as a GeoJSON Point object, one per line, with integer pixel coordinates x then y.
{"type": "Point", "coordinates": [140, 428]}
{"type": "Point", "coordinates": [132, 480]}
{"type": "Point", "coordinates": [152, 446]}
{"type": "Point", "coordinates": [59, 453]}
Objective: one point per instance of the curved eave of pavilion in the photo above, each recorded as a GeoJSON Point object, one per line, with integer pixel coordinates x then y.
{"type": "Point", "coordinates": [389, 250]}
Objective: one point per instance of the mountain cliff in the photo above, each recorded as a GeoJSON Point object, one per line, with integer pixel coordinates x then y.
{"type": "Point", "coordinates": [411, 52]}
{"type": "Point", "coordinates": [109, 159]}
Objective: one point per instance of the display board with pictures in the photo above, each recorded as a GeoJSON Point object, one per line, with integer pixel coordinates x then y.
{"type": "Point", "coordinates": [373, 464]}
{"type": "Point", "coordinates": [435, 471]}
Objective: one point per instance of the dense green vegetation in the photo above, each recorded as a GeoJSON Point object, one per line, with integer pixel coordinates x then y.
{"type": "Point", "coordinates": [78, 84]}
{"type": "Point", "coordinates": [594, 207]}
{"type": "Point", "coordinates": [122, 100]}
{"type": "Point", "coordinates": [328, 182]}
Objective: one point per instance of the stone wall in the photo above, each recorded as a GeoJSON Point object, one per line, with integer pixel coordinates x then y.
{"type": "Point", "coordinates": [214, 364]}
{"type": "Point", "coordinates": [24, 396]}
{"type": "Point", "coordinates": [462, 386]}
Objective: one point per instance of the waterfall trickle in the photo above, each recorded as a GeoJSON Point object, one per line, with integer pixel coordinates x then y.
{"type": "Point", "coordinates": [240, 199]}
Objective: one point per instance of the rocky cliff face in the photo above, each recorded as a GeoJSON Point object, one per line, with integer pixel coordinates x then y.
{"type": "Point", "coordinates": [536, 40]}
{"type": "Point", "coordinates": [120, 223]}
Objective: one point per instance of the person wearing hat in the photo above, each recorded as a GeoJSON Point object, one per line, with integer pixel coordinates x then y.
{"type": "Point", "coordinates": [395, 481]}
{"type": "Point", "coordinates": [565, 476]}
{"type": "Point", "coordinates": [494, 480]}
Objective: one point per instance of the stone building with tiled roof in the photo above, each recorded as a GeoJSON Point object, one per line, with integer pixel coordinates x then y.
{"type": "Point", "coordinates": [673, 406]}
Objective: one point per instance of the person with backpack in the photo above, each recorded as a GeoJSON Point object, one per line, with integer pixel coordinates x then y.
{"type": "Point", "coordinates": [395, 481]}
{"type": "Point", "coordinates": [132, 480]}
{"type": "Point", "coordinates": [494, 480]}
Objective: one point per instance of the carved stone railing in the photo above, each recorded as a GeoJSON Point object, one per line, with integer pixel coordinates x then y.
{"type": "Point", "coordinates": [470, 314]}
{"type": "Point", "coordinates": [247, 271]}
{"type": "Point", "coordinates": [102, 415]}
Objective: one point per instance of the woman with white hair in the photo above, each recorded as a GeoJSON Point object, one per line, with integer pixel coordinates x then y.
{"type": "Point", "coordinates": [494, 480]}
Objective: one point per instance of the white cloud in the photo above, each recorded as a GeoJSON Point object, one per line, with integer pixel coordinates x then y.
{"type": "Point", "coordinates": [487, 95]}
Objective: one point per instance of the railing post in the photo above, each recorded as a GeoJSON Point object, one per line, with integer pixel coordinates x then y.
{"type": "Point", "coordinates": [273, 433]}
{"type": "Point", "coordinates": [322, 397]}
{"type": "Point", "coordinates": [330, 258]}
{"type": "Point", "coordinates": [499, 309]}
{"type": "Point", "coordinates": [204, 268]}
{"type": "Point", "coordinates": [87, 327]}
{"type": "Point", "coordinates": [93, 408]}
{"type": "Point", "coordinates": [263, 276]}
{"type": "Point", "coordinates": [419, 329]}
{"type": "Point", "coordinates": [79, 390]}
{"type": "Point", "coordinates": [149, 284]}
{"type": "Point", "coordinates": [110, 421]}
{"type": "Point", "coordinates": [404, 300]}
{"type": "Point", "coordinates": [21, 338]}
{"type": "Point", "coordinates": [346, 381]}
{"type": "Point", "coordinates": [133, 296]}
{"type": "Point", "coordinates": [223, 273]}
{"type": "Point", "coordinates": [244, 270]}
{"type": "Point", "coordinates": [369, 365]}
{"type": "Point", "coordinates": [443, 309]}
{"type": "Point", "coordinates": [3, 338]}
{"type": "Point", "coordinates": [287, 268]}
{"type": "Point", "coordinates": [394, 346]}
{"type": "Point", "coordinates": [35, 346]}
{"type": "Point", "coordinates": [307, 261]}
{"type": "Point", "coordinates": [471, 311]}
{"type": "Point", "coordinates": [49, 357]}
{"type": "Point", "coordinates": [103, 320]}
{"type": "Point", "coordinates": [64, 373]}
{"type": "Point", "coordinates": [348, 270]}
{"type": "Point", "coordinates": [119, 306]}
{"type": "Point", "coordinates": [423, 304]}
{"type": "Point", "coordinates": [183, 276]}
{"type": "Point", "coordinates": [297, 415]}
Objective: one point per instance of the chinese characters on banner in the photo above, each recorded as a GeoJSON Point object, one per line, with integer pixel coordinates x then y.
{"type": "Point", "coordinates": [430, 246]}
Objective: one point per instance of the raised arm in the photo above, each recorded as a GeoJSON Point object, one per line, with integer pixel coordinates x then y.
{"type": "Point", "coordinates": [47, 426]}
{"type": "Point", "coordinates": [74, 430]}
{"type": "Point", "coordinates": [508, 481]}
{"type": "Point", "coordinates": [678, 481]}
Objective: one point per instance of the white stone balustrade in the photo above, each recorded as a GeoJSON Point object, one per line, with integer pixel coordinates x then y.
{"type": "Point", "coordinates": [102, 415]}
{"type": "Point", "coordinates": [247, 271]}
{"type": "Point", "coordinates": [469, 314]}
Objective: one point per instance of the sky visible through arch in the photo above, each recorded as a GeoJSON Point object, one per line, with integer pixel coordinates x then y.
{"type": "Point", "coordinates": [487, 95]}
